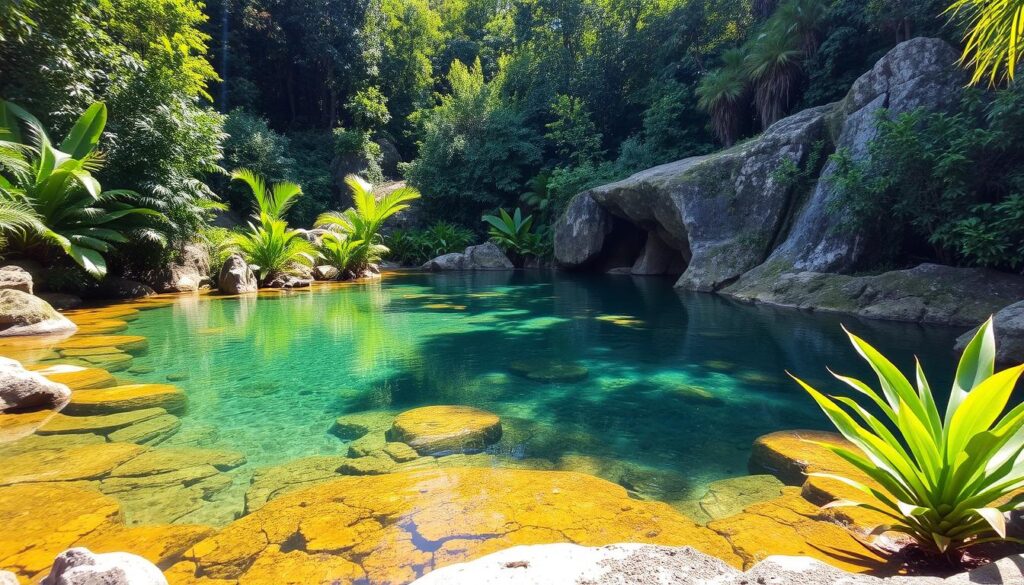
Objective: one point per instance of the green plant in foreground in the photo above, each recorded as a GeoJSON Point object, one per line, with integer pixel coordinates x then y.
{"type": "Point", "coordinates": [273, 200]}
{"type": "Point", "coordinates": [57, 201]}
{"type": "Point", "coordinates": [945, 481]}
{"type": "Point", "coordinates": [514, 233]}
{"type": "Point", "coordinates": [994, 42]}
{"type": "Point", "coordinates": [339, 251]}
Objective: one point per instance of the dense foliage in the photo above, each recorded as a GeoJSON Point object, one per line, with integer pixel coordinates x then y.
{"type": "Point", "coordinates": [943, 186]}
{"type": "Point", "coordinates": [946, 480]}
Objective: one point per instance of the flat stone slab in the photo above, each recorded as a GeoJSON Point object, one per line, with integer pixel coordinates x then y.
{"type": "Point", "coordinates": [84, 462]}
{"type": "Point", "coordinates": [127, 397]}
{"type": "Point", "coordinates": [391, 528]}
{"type": "Point", "coordinates": [549, 370]}
{"type": "Point", "coordinates": [103, 424]}
{"type": "Point", "coordinates": [148, 432]}
{"type": "Point", "coordinates": [439, 429]}
{"type": "Point", "coordinates": [76, 377]}
{"type": "Point", "coordinates": [128, 343]}
{"type": "Point", "coordinates": [166, 459]}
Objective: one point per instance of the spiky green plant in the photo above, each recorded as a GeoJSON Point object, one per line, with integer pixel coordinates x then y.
{"type": "Point", "coordinates": [724, 95]}
{"type": "Point", "coordinates": [70, 210]}
{"type": "Point", "coordinates": [364, 220]}
{"type": "Point", "coordinates": [994, 42]}
{"type": "Point", "coordinates": [273, 200]}
{"type": "Point", "coordinates": [773, 64]}
{"type": "Point", "coordinates": [340, 251]}
{"type": "Point", "coordinates": [946, 481]}
{"type": "Point", "coordinates": [271, 248]}
{"type": "Point", "coordinates": [804, 19]}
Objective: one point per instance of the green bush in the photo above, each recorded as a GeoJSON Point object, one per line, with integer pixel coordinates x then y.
{"type": "Point", "coordinates": [943, 186]}
{"type": "Point", "coordinates": [413, 247]}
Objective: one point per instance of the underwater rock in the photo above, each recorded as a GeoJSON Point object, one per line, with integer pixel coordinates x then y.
{"type": "Point", "coordinates": [391, 528]}
{"type": "Point", "coordinates": [400, 452]}
{"type": "Point", "coordinates": [148, 432]}
{"type": "Point", "coordinates": [17, 426]}
{"type": "Point", "coordinates": [368, 465]}
{"type": "Point", "coordinates": [21, 389]}
{"type": "Point", "coordinates": [167, 459]}
{"type": "Point", "coordinates": [697, 394]}
{"type": "Point", "coordinates": [127, 397]}
{"type": "Point", "coordinates": [15, 278]}
{"type": "Point", "coordinates": [61, 424]}
{"type": "Point", "coordinates": [545, 370]}
{"type": "Point", "coordinates": [271, 482]}
{"type": "Point", "coordinates": [727, 497]}
{"type": "Point", "coordinates": [177, 376]}
{"type": "Point", "coordinates": [83, 462]}
{"type": "Point", "coordinates": [102, 326]}
{"type": "Point", "coordinates": [77, 377]}
{"type": "Point", "coordinates": [368, 444]}
{"type": "Point", "coordinates": [80, 566]}
{"type": "Point", "coordinates": [236, 277]}
{"type": "Point", "coordinates": [24, 314]}
{"type": "Point", "coordinates": [641, 481]}
{"type": "Point", "coordinates": [441, 429]}
{"type": "Point", "coordinates": [128, 343]}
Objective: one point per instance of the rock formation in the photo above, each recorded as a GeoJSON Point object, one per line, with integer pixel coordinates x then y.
{"type": "Point", "coordinates": [486, 256]}
{"type": "Point", "coordinates": [24, 314]}
{"type": "Point", "coordinates": [236, 277]}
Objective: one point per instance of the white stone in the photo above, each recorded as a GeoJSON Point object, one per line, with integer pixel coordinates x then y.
{"type": "Point", "coordinates": [80, 566]}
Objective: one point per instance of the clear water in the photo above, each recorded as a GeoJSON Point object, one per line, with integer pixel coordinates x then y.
{"type": "Point", "coordinates": [269, 375]}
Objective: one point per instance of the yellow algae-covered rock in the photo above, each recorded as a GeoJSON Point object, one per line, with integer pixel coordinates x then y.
{"type": "Point", "coordinates": [102, 326]}
{"type": "Point", "coordinates": [353, 426]}
{"type": "Point", "coordinates": [61, 424]}
{"type": "Point", "coordinates": [148, 432]}
{"type": "Point", "coordinates": [74, 463]}
{"type": "Point", "coordinates": [129, 343]}
{"type": "Point", "coordinates": [788, 526]}
{"type": "Point", "coordinates": [34, 443]}
{"type": "Point", "coordinates": [14, 426]}
{"type": "Point", "coordinates": [271, 482]}
{"type": "Point", "coordinates": [89, 351]}
{"type": "Point", "coordinates": [76, 377]}
{"type": "Point", "coordinates": [160, 544]}
{"type": "Point", "coordinates": [790, 455]}
{"type": "Point", "coordinates": [390, 525]}
{"type": "Point", "coordinates": [438, 429]}
{"type": "Point", "coordinates": [274, 567]}
{"type": "Point", "coordinates": [730, 496]}
{"type": "Point", "coordinates": [127, 397]}
{"type": "Point", "coordinates": [41, 520]}
{"type": "Point", "coordinates": [164, 460]}
{"type": "Point", "coordinates": [85, 316]}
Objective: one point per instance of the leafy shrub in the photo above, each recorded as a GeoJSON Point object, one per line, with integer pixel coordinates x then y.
{"type": "Point", "coordinates": [416, 246]}
{"type": "Point", "coordinates": [364, 152]}
{"type": "Point", "coordinates": [515, 235]}
{"type": "Point", "coordinates": [272, 248]}
{"type": "Point", "coordinates": [60, 203]}
{"type": "Point", "coordinates": [945, 480]}
{"type": "Point", "coordinates": [942, 185]}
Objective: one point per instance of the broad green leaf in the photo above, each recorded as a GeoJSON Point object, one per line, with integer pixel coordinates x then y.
{"type": "Point", "coordinates": [86, 133]}
{"type": "Point", "coordinates": [994, 518]}
{"type": "Point", "coordinates": [976, 364]}
{"type": "Point", "coordinates": [980, 409]}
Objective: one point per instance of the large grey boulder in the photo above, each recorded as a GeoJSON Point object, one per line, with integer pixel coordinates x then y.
{"type": "Point", "coordinates": [718, 215]}
{"type": "Point", "coordinates": [1008, 326]}
{"type": "Point", "coordinates": [80, 566]}
{"type": "Point", "coordinates": [15, 278]}
{"type": "Point", "coordinates": [21, 389]}
{"type": "Point", "coordinates": [929, 293]}
{"type": "Point", "coordinates": [919, 73]}
{"type": "Point", "coordinates": [236, 277]}
{"type": "Point", "coordinates": [187, 273]}
{"type": "Point", "coordinates": [24, 314]}
{"type": "Point", "coordinates": [486, 256]}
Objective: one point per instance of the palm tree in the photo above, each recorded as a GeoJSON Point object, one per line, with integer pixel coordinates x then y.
{"type": "Point", "coordinates": [724, 95]}
{"type": "Point", "coordinates": [773, 64]}
{"type": "Point", "coordinates": [804, 19]}
{"type": "Point", "coordinates": [994, 42]}
{"type": "Point", "coordinates": [363, 222]}
{"type": "Point", "coordinates": [69, 209]}
{"type": "Point", "coordinates": [274, 200]}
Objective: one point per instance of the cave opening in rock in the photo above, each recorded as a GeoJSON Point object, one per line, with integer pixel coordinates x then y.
{"type": "Point", "coordinates": [642, 250]}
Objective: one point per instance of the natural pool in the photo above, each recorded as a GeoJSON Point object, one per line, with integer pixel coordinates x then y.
{"type": "Point", "coordinates": [626, 379]}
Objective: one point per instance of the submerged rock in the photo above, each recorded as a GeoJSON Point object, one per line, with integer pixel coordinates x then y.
{"type": "Point", "coordinates": [21, 389]}
{"type": "Point", "coordinates": [80, 566]}
{"type": "Point", "coordinates": [486, 256]}
{"type": "Point", "coordinates": [442, 429]}
{"type": "Point", "coordinates": [127, 397]}
{"type": "Point", "coordinates": [392, 528]}
{"type": "Point", "coordinates": [24, 314]}
{"type": "Point", "coordinates": [236, 277]}
{"type": "Point", "coordinates": [544, 370]}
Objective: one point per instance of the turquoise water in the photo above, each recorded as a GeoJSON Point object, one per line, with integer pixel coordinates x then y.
{"type": "Point", "coordinates": [678, 384]}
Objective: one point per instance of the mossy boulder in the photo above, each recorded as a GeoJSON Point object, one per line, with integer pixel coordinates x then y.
{"type": "Point", "coordinates": [24, 314]}
{"type": "Point", "coordinates": [549, 370]}
{"type": "Point", "coordinates": [445, 429]}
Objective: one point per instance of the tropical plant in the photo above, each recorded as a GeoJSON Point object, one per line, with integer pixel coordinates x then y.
{"type": "Point", "coordinates": [339, 251]}
{"type": "Point", "coordinates": [364, 220]}
{"type": "Point", "coordinates": [773, 64]}
{"type": "Point", "coordinates": [514, 234]}
{"type": "Point", "coordinates": [271, 248]}
{"type": "Point", "coordinates": [273, 200]}
{"type": "Point", "coordinates": [946, 481]}
{"type": "Point", "coordinates": [724, 95]}
{"type": "Point", "coordinates": [994, 42]}
{"type": "Point", "coordinates": [69, 209]}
